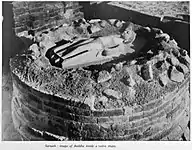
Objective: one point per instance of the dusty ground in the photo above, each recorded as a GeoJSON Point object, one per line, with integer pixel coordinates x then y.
{"type": "Point", "coordinates": [152, 8]}
{"type": "Point", "coordinates": [158, 8]}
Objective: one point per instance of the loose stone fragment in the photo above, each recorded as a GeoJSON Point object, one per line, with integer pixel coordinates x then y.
{"type": "Point", "coordinates": [132, 92]}
{"type": "Point", "coordinates": [118, 66]}
{"type": "Point", "coordinates": [130, 81]}
{"type": "Point", "coordinates": [163, 79]}
{"type": "Point", "coordinates": [103, 23]}
{"type": "Point", "coordinates": [118, 24]}
{"type": "Point", "coordinates": [147, 72]}
{"type": "Point", "coordinates": [103, 76]}
{"type": "Point", "coordinates": [112, 69]}
{"type": "Point", "coordinates": [173, 43]}
{"type": "Point", "coordinates": [94, 29]}
{"type": "Point", "coordinates": [90, 101]}
{"type": "Point", "coordinates": [103, 99]}
{"type": "Point", "coordinates": [173, 60]}
{"type": "Point", "coordinates": [175, 52]}
{"type": "Point", "coordinates": [112, 93]}
{"type": "Point", "coordinates": [176, 76]}
{"type": "Point", "coordinates": [35, 50]}
{"type": "Point", "coordinates": [133, 62]}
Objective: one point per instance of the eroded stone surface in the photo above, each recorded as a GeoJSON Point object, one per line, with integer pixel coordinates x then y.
{"type": "Point", "coordinates": [103, 76]}
{"type": "Point", "coordinates": [176, 76]}
{"type": "Point", "coordinates": [173, 60]}
{"type": "Point", "coordinates": [183, 68]}
{"type": "Point", "coordinates": [146, 72]}
{"type": "Point", "coordinates": [163, 79]}
{"type": "Point", "coordinates": [112, 93]}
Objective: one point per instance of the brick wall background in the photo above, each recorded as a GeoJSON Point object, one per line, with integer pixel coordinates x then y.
{"type": "Point", "coordinates": [38, 16]}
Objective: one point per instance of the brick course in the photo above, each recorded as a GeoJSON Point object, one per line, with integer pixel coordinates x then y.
{"type": "Point", "coordinates": [39, 16]}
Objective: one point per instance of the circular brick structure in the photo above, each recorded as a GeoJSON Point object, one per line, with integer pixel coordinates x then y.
{"type": "Point", "coordinates": [139, 96]}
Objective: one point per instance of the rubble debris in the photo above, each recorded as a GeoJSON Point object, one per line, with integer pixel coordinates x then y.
{"type": "Point", "coordinates": [118, 66]}
{"type": "Point", "coordinates": [112, 70]}
{"type": "Point", "coordinates": [173, 60]}
{"type": "Point", "coordinates": [176, 75]}
{"type": "Point", "coordinates": [175, 52]}
{"type": "Point", "coordinates": [94, 28]}
{"type": "Point", "coordinates": [147, 72]}
{"type": "Point", "coordinates": [118, 23]}
{"type": "Point", "coordinates": [35, 50]}
{"type": "Point", "coordinates": [103, 76]}
{"type": "Point", "coordinates": [163, 79]}
{"type": "Point", "coordinates": [128, 36]}
{"type": "Point", "coordinates": [103, 23]}
{"type": "Point", "coordinates": [112, 94]}
{"type": "Point", "coordinates": [90, 101]}
{"type": "Point", "coordinates": [173, 43]}
{"type": "Point", "coordinates": [103, 99]}
{"type": "Point", "coordinates": [132, 93]}
{"type": "Point", "coordinates": [130, 81]}
{"type": "Point", "coordinates": [132, 62]}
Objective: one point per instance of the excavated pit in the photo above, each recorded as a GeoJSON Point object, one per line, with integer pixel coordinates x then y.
{"type": "Point", "coordinates": [140, 93]}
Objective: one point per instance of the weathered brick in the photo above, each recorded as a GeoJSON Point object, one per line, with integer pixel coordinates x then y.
{"type": "Point", "coordinates": [174, 110]}
{"type": "Point", "coordinates": [119, 128]}
{"type": "Point", "coordinates": [32, 5]}
{"type": "Point", "coordinates": [20, 29]}
{"type": "Point", "coordinates": [152, 104]}
{"type": "Point", "coordinates": [164, 105]}
{"type": "Point", "coordinates": [139, 122]}
{"type": "Point", "coordinates": [168, 108]}
{"type": "Point", "coordinates": [36, 10]}
{"type": "Point", "coordinates": [66, 107]}
{"type": "Point", "coordinates": [19, 11]}
{"type": "Point", "coordinates": [20, 4]}
{"type": "Point", "coordinates": [137, 109]}
{"type": "Point", "coordinates": [92, 130]}
{"type": "Point", "coordinates": [175, 134]}
{"type": "Point", "coordinates": [150, 131]}
{"type": "Point", "coordinates": [51, 11]}
{"type": "Point", "coordinates": [114, 112]}
{"type": "Point", "coordinates": [136, 117]}
{"type": "Point", "coordinates": [168, 129]}
{"type": "Point", "coordinates": [158, 115]}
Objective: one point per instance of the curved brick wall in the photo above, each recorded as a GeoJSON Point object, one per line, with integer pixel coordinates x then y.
{"type": "Point", "coordinates": [162, 119]}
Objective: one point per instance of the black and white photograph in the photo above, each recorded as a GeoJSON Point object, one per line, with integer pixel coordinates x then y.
{"type": "Point", "coordinates": [95, 71]}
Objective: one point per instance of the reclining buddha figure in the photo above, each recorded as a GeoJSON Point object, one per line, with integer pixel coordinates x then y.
{"type": "Point", "coordinates": [99, 49]}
